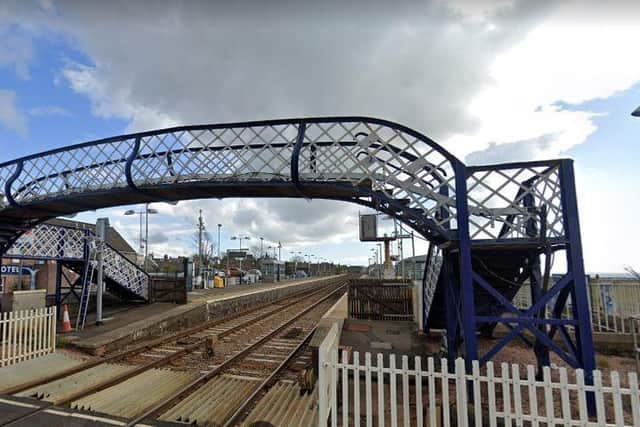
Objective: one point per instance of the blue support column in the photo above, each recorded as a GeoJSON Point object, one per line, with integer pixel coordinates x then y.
{"type": "Point", "coordinates": [425, 314]}
{"type": "Point", "coordinates": [575, 266]}
{"type": "Point", "coordinates": [452, 302]}
{"type": "Point", "coordinates": [468, 311]}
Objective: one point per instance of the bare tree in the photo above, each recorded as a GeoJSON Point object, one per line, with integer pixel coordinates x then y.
{"type": "Point", "coordinates": [255, 250]}
{"type": "Point", "coordinates": [208, 247]}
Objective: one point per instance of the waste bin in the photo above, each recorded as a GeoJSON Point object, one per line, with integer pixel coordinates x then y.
{"type": "Point", "coordinates": [218, 282]}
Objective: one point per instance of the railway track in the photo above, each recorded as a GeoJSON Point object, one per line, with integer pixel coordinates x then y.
{"type": "Point", "coordinates": [246, 348]}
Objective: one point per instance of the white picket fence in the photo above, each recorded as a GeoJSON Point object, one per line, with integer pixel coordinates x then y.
{"type": "Point", "coordinates": [27, 334]}
{"type": "Point", "coordinates": [415, 394]}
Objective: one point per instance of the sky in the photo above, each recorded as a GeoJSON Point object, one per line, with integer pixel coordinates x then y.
{"type": "Point", "coordinates": [491, 81]}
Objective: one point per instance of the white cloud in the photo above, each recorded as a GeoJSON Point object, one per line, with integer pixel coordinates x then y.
{"type": "Point", "coordinates": [108, 102]}
{"type": "Point", "coordinates": [50, 110]}
{"type": "Point", "coordinates": [16, 51]}
{"type": "Point", "coordinates": [580, 52]}
{"type": "Point", "coordinates": [10, 116]}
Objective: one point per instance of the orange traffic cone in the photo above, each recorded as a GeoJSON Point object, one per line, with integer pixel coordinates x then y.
{"type": "Point", "coordinates": [66, 323]}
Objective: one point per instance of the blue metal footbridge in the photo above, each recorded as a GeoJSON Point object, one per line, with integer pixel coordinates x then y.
{"type": "Point", "coordinates": [491, 228]}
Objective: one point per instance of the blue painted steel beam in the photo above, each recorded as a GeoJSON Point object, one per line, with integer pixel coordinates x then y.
{"type": "Point", "coordinates": [465, 268]}
{"type": "Point", "coordinates": [575, 265]}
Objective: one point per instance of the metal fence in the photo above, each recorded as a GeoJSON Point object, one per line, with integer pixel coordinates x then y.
{"type": "Point", "coordinates": [409, 392]}
{"type": "Point", "coordinates": [612, 305]}
{"type": "Point", "coordinates": [27, 334]}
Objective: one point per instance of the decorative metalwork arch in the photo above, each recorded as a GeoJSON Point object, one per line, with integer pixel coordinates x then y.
{"type": "Point", "coordinates": [469, 213]}
{"type": "Point", "coordinates": [369, 161]}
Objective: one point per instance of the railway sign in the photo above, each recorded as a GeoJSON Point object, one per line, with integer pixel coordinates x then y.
{"type": "Point", "coordinates": [369, 228]}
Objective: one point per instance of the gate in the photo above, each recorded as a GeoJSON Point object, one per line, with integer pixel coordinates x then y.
{"type": "Point", "coordinates": [376, 300]}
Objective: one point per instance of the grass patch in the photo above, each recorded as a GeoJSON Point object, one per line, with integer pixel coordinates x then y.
{"type": "Point", "coordinates": [602, 362]}
{"type": "Point", "coordinates": [62, 342]}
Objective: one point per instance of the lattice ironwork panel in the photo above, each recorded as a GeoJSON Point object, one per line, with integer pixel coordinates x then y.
{"type": "Point", "coordinates": [383, 159]}
{"type": "Point", "coordinates": [505, 202]}
{"type": "Point", "coordinates": [433, 266]}
{"type": "Point", "coordinates": [75, 170]}
{"type": "Point", "coordinates": [243, 153]}
{"type": "Point", "coordinates": [58, 242]}
{"type": "Point", "coordinates": [50, 241]}
{"type": "Point", "coordinates": [119, 269]}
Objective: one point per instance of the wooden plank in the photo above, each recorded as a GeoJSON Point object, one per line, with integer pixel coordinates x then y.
{"type": "Point", "coordinates": [617, 399]}
{"type": "Point", "coordinates": [477, 393]}
{"type": "Point", "coordinates": [431, 382]}
{"type": "Point", "coordinates": [491, 387]}
{"type": "Point", "coordinates": [417, 363]}
{"type": "Point", "coordinates": [405, 391]}
{"type": "Point", "coordinates": [393, 391]}
{"type": "Point", "coordinates": [356, 388]}
{"type": "Point", "coordinates": [533, 396]}
{"type": "Point", "coordinates": [345, 389]}
{"type": "Point", "coordinates": [369, 404]}
{"type": "Point", "coordinates": [380, 381]}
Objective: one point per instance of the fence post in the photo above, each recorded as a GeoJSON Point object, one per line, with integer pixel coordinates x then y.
{"type": "Point", "coordinates": [327, 375]}
{"type": "Point", "coordinates": [461, 393]}
{"type": "Point", "coordinates": [54, 325]}
{"type": "Point", "coordinates": [4, 324]}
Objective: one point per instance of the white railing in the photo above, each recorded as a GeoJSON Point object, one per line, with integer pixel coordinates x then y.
{"type": "Point", "coordinates": [427, 394]}
{"type": "Point", "coordinates": [27, 334]}
{"type": "Point", "coordinates": [327, 375]}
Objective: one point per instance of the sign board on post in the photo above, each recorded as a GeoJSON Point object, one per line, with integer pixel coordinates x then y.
{"type": "Point", "coordinates": [369, 228]}
{"type": "Point", "coordinates": [237, 254]}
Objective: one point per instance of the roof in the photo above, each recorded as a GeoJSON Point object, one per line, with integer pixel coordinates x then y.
{"type": "Point", "coordinates": [417, 258]}
{"type": "Point", "coordinates": [114, 238]}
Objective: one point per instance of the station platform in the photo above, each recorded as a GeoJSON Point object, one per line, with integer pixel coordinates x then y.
{"type": "Point", "coordinates": [124, 326]}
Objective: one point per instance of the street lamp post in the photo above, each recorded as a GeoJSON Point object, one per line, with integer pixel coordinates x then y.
{"type": "Point", "coordinates": [261, 243]}
{"type": "Point", "coordinates": [380, 255]}
{"type": "Point", "coordinates": [146, 212]}
{"type": "Point", "coordinates": [219, 254]}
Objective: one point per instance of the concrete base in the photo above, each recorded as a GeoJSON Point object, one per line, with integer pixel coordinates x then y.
{"type": "Point", "coordinates": [379, 336]}
{"type": "Point", "coordinates": [606, 343]}
{"type": "Point", "coordinates": [156, 320]}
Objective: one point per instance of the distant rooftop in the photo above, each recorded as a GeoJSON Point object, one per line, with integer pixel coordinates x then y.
{"type": "Point", "coordinates": [114, 238]}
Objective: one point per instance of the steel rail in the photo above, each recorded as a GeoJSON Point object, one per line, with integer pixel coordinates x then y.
{"type": "Point", "coordinates": [147, 346]}
{"type": "Point", "coordinates": [195, 384]}
{"type": "Point", "coordinates": [167, 359]}
{"type": "Point", "coordinates": [269, 380]}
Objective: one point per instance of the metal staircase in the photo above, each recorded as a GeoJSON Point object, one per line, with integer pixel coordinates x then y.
{"type": "Point", "coordinates": [74, 249]}
{"type": "Point", "coordinates": [433, 267]}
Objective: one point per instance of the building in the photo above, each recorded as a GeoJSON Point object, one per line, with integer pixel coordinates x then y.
{"type": "Point", "coordinates": [413, 267]}
{"type": "Point", "coordinates": [166, 264]}
{"type": "Point", "coordinates": [272, 270]}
